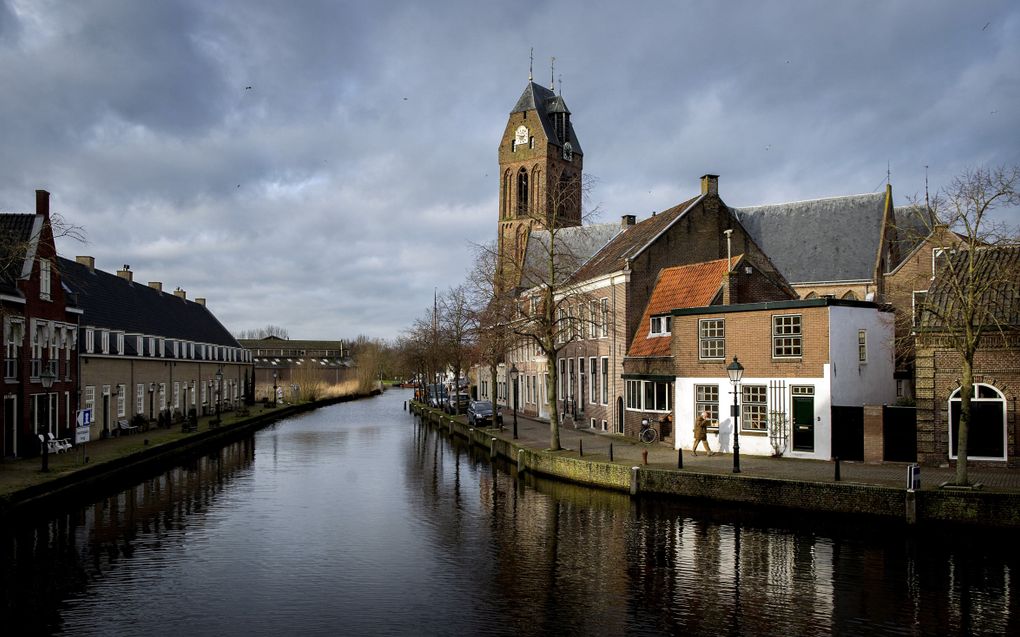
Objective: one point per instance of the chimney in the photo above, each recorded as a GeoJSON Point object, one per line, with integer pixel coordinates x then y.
{"type": "Point", "coordinates": [126, 273]}
{"type": "Point", "coordinates": [156, 285]}
{"type": "Point", "coordinates": [181, 294]}
{"type": "Point", "coordinates": [200, 300]}
{"type": "Point", "coordinates": [627, 220]}
{"type": "Point", "coordinates": [42, 203]}
{"type": "Point", "coordinates": [710, 184]}
{"type": "Point", "coordinates": [88, 262]}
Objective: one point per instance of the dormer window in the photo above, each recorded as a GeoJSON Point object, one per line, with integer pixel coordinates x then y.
{"type": "Point", "coordinates": [661, 326]}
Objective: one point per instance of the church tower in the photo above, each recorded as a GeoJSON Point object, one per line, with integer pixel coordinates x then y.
{"type": "Point", "coordinates": [540, 163]}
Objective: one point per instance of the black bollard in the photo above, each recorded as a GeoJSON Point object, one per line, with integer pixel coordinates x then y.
{"type": "Point", "coordinates": [610, 452]}
{"type": "Point", "coordinates": [644, 456]}
{"type": "Point", "coordinates": [836, 477]}
{"type": "Point", "coordinates": [580, 448]}
{"type": "Point", "coordinates": [679, 458]}
{"type": "Point", "coordinates": [405, 405]}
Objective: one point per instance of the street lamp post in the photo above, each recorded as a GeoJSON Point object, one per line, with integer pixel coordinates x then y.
{"type": "Point", "coordinates": [274, 388]}
{"type": "Point", "coordinates": [514, 375]}
{"type": "Point", "coordinates": [152, 393]}
{"type": "Point", "coordinates": [736, 372]}
{"type": "Point", "coordinates": [46, 377]}
{"type": "Point", "coordinates": [219, 393]}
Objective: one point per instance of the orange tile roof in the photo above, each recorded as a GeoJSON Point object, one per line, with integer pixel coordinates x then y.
{"type": "Point", "coordinates": [693, 285]}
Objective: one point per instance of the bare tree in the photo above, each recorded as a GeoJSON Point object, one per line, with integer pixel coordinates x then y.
{"type": "Point", "coordinates": [268, 331]}
{"type": "Point", "coordinates": [548, 311]}
{"type": "Point", "coordinates": [457, 323]}
{"type": "Point", "coordinates": [977, 285]}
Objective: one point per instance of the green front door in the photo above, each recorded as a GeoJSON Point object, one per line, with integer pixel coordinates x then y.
{"type": "Point", "coordinates": [803, 423]}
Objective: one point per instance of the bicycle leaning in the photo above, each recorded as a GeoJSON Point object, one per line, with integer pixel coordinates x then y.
{"type": "Point", "coordinates": [648, 433]}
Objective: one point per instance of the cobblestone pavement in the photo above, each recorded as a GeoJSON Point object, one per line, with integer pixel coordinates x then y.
{"type": "Point", "coordinates": [595, 445]}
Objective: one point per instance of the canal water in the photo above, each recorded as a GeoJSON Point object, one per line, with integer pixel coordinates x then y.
{"type": "Point", "coordinates": [355, 520]}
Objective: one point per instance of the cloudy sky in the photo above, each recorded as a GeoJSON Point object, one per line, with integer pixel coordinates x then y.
{"type": "Point", "coordinates": [324, 165]}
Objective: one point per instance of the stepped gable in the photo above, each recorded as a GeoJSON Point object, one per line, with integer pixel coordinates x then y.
{"type": "Point", "coordinates": [682, 286]}
{"type": "Point", "coordinates": [113, 303]}
{"type": "Point", "coordinates": [819, 240]}
{"type": "Point", "coordinates": [613, 257]}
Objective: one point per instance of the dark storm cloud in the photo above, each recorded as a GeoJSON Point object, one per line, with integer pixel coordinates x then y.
{"type": "Point", "coordinates": [325, 165]}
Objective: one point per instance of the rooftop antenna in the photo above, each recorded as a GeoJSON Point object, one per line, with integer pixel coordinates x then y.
{"type": "Point", "coordinates": [561, 84]}
{"type": "Point", "coordinates": [552, 73]}
{"type": "Point", "coordinates": [888, 172]}
{"type": "Point", "coordinates": [531, 66]}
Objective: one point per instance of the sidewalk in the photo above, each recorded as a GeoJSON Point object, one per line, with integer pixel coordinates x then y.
{"type": "Point", "coordinates": [595, 445]}
{"type": "Point", "coordinates": [19, 473]}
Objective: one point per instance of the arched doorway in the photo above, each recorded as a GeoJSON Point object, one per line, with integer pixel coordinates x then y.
{"type": "Point", "coordinates": [986, 435]}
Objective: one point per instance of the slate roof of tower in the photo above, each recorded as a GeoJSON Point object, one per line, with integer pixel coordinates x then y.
{"type": "Point", "coordinates": [833, 239]}
{"type": "Point", "coordinates": [613, 256]}
{"type": "Point", "coordinates": [15, 232]}
{"type": "Point", "coordinates": [574, 246]}
{"type": "Point", "coordinates": [114, 303]}
{"type": "Point", "coordinates": [539, 98]}
{"type": "Point", "coordinates": [682, 286]}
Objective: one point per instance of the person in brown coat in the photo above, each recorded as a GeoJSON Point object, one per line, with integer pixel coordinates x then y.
{"type": "Point", "coordinates": [701, 433]}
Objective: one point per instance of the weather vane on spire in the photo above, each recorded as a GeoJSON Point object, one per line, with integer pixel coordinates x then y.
{"type": "Point", "coordinates": [531, 66]}
{"type": "Point", "coordinates": [552, 73]}
{"type": "Point", "coordinates": [560, 91]}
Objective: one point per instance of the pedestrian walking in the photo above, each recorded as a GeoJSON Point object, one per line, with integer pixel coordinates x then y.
{"type": "Point", "coordinates": [701, 433]}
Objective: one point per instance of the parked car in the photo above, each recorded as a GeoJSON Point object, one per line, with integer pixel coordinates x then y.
{"type": "Point", "coordinates": [437, 395]}
{"type": "Point", "coordinates": [480, 412]}
{"type": "Point", "coordinates": [456, 403]}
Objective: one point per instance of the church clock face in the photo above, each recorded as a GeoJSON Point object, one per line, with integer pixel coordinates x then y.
{"type": "Point", "coordinates": [568, 152]}
{"type": "Point", "coordinates": [521, 135]}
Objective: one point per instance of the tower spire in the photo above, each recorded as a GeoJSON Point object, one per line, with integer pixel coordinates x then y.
{"type": "Point", "coordinates": [552, 73]}
{"type": "Point", "coordinates": [531, 66]}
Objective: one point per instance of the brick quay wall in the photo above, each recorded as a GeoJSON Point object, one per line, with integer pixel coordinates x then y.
{"type": "Point", "coordinates": [982, 508]}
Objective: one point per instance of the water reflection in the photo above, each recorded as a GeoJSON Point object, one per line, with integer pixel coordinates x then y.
{"type": "Point", "coordinates": [357, 519]}
{"type": "Point", "coordinates": [44, 561]}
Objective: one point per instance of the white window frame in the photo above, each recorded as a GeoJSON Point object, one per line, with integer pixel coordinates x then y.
{"type": "Point", "coordinates": [140, 399]}
{"type": "Point", "coordinates": [712, 339]}
{"type": "Point", "coordinates": [121, 400]}
{"type": "Point", "coordinates": [90, 340]}
{"type": "Point", "coordinates": [782, 338]}
{"type": "Point", "coordinates": [605, 316]}
{"type": "Point", "coordinates": [604, 373]}
{"type": "Point", "coordinates": [1001, 398]}
{"type": "Point", "coordinates": [45, 279]}
{"type": "Point", "coordinates": [862, 346]}
{"type": "Point", "coordinates": [661, 325]}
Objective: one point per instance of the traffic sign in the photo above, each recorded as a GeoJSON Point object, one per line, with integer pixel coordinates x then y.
{"type": "Point", "coordinates": [82, 435]}
{"type": "Point", "coordinates": [84, 418]}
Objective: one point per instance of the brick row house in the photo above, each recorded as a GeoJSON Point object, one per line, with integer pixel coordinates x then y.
{"type": "Point", "coordinates": [40, 322]}
{"type": "Point", "coordinates": [146, 352]}
{"type": "Point", "coordinates": [127, 351]}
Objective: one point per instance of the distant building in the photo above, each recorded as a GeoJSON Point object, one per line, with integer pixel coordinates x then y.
{"type": "Point", "coordinates": [40, 323]}
{"type": "Point", "coordinates": [145, 351]}
{"type": "Point", "coordinates": [298, 362]}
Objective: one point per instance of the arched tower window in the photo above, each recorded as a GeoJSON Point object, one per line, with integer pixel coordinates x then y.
{"type": "Point", "coordinates": [504, 201]}
{"type": "Point", "coordinates": [849, 296]}
{"type": "Point", "coordinates": [986, 433]}
{"type": "Point", "coordinates": [522, 193]}
{"type": "Point", "coordinates": [536, 190]}
{"type": "Point", "coordinates": [811, 295]}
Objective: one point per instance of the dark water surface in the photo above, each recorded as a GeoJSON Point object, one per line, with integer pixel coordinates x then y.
{"type": "Point", "coordinates": [354, 520]}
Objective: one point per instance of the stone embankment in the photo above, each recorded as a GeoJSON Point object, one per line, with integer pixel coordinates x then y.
{"type": "Point", "coordinates": [785, 490]}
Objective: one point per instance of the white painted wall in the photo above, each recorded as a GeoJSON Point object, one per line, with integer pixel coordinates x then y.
{"type": "Point", "coordinates": [854, 383]}
{"type": "Point", "coordinates": [754, 444]}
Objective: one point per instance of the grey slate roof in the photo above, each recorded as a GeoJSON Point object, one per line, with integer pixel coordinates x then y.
{"type": "Point", "coordinates": [833, 239]}
{"type": "Point", "coordinates": [15, 234]}
{"type": "Point", "coordinates": [538, 98]}
{"type": "Point", "coordinates": [113, 303]}
{"type": "Point", "coordinates": [999, 304]}
{"type": "Point", "coordinates": [574, 246]}
{"type": "Point", "coordinates": [912, 228]}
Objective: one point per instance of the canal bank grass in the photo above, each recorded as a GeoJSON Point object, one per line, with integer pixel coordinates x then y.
{"type": "Point", "coordinates": [21, 473]}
